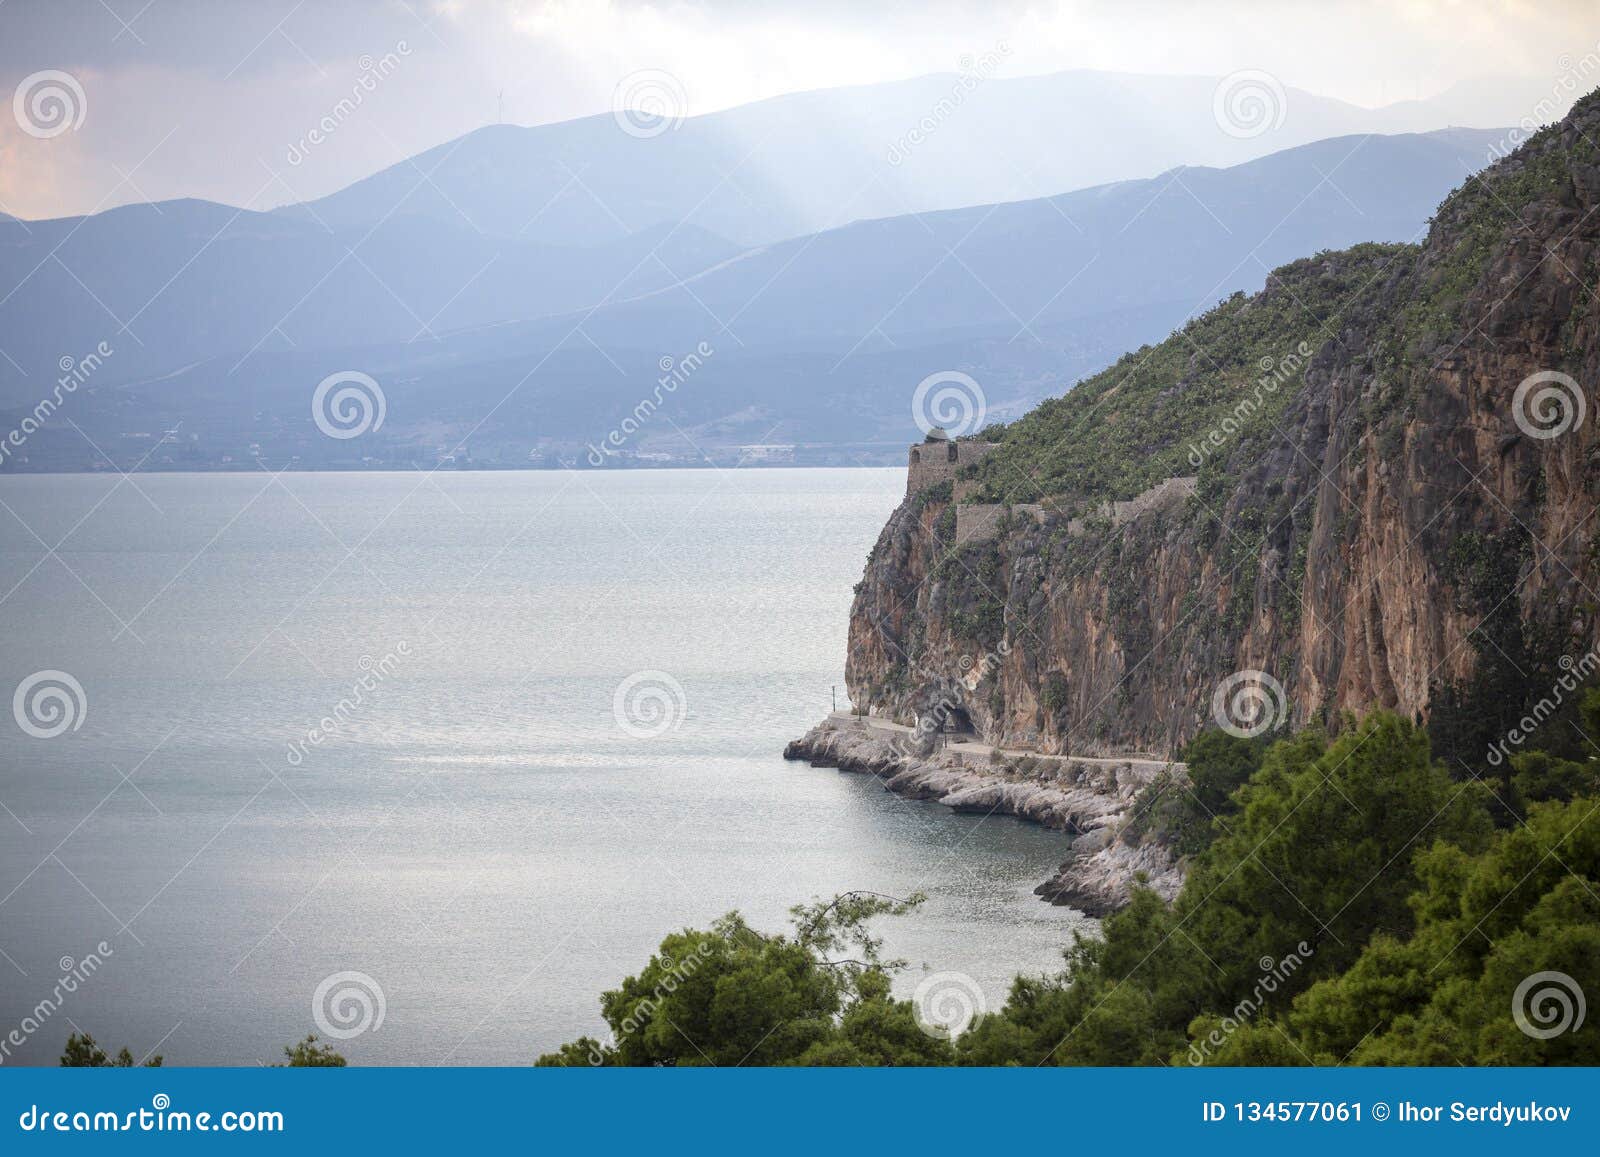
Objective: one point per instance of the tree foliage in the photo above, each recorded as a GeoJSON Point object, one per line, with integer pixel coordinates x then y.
{"type": "Point", "coordinates": [82, 1052]}
{"type": "Point", "coordinates": [312, 1054]}
{"type": "Point", "coordinates": [1348, 900]}
{"type": "Point", "coordinates": [730, 995]}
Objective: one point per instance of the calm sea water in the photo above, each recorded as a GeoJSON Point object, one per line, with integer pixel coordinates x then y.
{"type": "Point", "coordinates": [476, 832]}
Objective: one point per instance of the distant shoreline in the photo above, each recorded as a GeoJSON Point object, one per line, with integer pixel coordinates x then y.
{"type": "Point", "coordinates": [263, 467]}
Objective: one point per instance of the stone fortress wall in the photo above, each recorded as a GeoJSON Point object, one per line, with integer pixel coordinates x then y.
{"type": "Point", "coordinates": [1161, 494]}
{"type": "Point", "coordinates": [934, 461]}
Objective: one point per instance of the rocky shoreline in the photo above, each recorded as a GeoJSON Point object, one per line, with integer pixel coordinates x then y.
{"type": "Point", "coordinates": [1089, 800]}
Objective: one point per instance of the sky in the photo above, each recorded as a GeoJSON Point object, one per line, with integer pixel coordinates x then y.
{"type": "Point", "coordinates": [152, 99]}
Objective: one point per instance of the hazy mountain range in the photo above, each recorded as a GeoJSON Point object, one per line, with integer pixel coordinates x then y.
{"type": "Point", "coordinates": [519, 289]}
{"type": "Point", "coordinates": [806, 162]}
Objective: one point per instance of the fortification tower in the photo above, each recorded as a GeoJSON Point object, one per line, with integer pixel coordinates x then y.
{"type": "Point", "coordinates": [938, 459]}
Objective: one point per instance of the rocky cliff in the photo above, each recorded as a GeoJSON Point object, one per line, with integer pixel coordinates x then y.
{"type": "Point", "coordinates": [1397, 480]}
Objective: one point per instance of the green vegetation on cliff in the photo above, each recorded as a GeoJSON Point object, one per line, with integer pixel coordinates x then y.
{"type": "Point", "coordinates": [1148, 417]}
{"type": "Point", "coordinates": [1376, 521]}
{"type": "Point", "coordinates": [1214, 392]}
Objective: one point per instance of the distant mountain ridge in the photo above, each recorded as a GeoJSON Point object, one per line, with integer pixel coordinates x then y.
{"type": "Point", "coordinates": [519, 287]}
{"type": "Point", "coordinates": [818, 340]}
{"type": "Point", "coordinates": [805, 162]}
{"type": "Point", "coordinates": [185, 281]}
{"type": "Point", "coordinates": [1006, 269]}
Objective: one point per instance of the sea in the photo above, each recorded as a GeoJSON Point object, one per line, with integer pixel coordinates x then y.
{"type": "Point", "coordinates": [424, 762]}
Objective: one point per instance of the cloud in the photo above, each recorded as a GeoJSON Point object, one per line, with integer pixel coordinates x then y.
{"type": "Point", "coordinates": [38, 175]}
{"type": "Point", "coordinates": [205, 99]}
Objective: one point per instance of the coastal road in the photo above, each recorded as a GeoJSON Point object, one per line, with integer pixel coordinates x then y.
{"type": "Point", "coordinates": [846, 719]}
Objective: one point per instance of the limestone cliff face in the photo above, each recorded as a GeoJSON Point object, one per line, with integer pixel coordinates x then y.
{"type": "Point", "coordinates": [1408, 505]}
